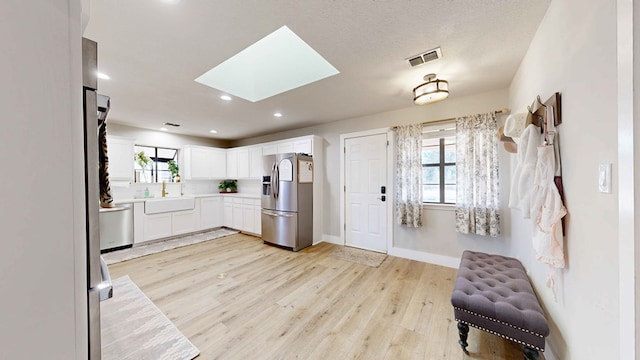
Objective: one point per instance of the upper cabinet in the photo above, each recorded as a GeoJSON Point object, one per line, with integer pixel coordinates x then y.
{"type": "Point", "coordinates": [120, 153]}
{"type": "Point", "coordinates": [255, 162]}
{"type": "Point", "coordinates": [232, 164]}
{"type": "Point", "coordinates": [243, 162]}
{"type": "Point", "coordinates": [201, 162]}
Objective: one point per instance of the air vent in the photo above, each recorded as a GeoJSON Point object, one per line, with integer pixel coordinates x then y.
{"type": "Point", "coordinates": [430, 55]}
{"type": "Point", "coordinates": [171, 124]}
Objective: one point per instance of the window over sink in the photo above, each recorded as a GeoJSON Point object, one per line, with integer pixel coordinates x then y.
{"type": "Point", "coordinates": [151, 163]}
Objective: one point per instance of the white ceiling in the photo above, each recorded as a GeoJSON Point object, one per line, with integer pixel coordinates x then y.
{"type": "Point", "coordinates": [153, 51]}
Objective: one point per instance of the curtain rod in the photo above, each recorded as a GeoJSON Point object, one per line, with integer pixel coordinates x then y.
{"type": "Point", "coordinates": [501, 111]}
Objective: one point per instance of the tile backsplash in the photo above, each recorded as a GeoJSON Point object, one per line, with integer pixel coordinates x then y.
{"type": "Point", "coordinates": [126, 190]}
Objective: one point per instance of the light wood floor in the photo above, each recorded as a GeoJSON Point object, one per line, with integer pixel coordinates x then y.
{"type": "Point", "coordinates": [236, 298]}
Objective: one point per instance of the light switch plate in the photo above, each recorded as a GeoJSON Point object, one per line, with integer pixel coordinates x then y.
{"type": "Point", "coordinates": [604, 178]}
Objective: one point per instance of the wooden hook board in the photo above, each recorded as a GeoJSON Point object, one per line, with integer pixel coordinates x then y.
{"type": "Point", "coordinates": [539, 112]}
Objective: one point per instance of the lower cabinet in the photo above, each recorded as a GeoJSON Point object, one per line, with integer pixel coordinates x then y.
{"type": "Point", "coordinates": [158, 226]}
{"type": "Point", "coordinates": [183, 222]}
{"type": "Point", "coordinates": [238, 213]}
{"type": "Point", "coordinates": [242, 214]}
{"type": "Point", "coordinates": [227, 209]}
{"type": "Point", "coordinates": [210, 212]}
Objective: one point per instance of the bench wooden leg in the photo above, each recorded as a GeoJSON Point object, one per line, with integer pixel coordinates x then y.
{"type": "Point", "coordinates": [530, 353]}
{"type": "Point", "coordinates": [463, 331]}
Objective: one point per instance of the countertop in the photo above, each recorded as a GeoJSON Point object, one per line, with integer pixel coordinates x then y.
{"type": "Point", "coordinates": [236, 195]}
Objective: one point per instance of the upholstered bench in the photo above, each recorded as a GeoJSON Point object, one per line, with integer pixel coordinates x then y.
{"type": "Point", "coordinates": [493, 293]}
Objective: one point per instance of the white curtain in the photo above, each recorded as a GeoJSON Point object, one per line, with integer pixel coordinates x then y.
{"type": "Point", "coordinates": [409, 176]}
{"type": "Point", "coordinates": [477, 183]}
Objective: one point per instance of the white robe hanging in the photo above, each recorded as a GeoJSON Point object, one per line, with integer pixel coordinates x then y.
{"type": "Point", "coordinates": [522, 181]}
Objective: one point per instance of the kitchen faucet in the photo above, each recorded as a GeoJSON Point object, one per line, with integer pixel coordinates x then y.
{"type": "Point", "coordinates": [164, 189]}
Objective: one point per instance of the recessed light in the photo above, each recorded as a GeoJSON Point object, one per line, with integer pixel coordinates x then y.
{"type": "Point", "coordinates": [277, 114]}
{"type": "Point", "coordinates": [225, 97]}
{"type": "Point", "coordinates": [164, 129]}
{"type": "Point", "coordinates": [103, 76]}
{"type": "Point", "coordinates": [213, 131]}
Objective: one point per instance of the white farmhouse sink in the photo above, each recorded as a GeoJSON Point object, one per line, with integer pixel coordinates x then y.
{"type": "Point", "coordinates": [167, 204]}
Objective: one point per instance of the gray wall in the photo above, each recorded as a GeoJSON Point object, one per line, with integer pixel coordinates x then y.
{"type": "Point", "coordinates": [42, 263]}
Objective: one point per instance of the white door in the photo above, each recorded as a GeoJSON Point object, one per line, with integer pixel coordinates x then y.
{"type": "Point", "coordinates": [365, 206]}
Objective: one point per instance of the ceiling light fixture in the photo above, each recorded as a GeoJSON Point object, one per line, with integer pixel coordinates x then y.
{"type": "Point", "coordinates": [225, 97]}
{"type": "Point", "coordinates": [213, 131]}
{"type": "Point", "coordinates": [433, 90]}
{"type": "Point", "coordinates": [277, 114]}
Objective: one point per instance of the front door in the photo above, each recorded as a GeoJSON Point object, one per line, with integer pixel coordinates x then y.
{"type": "Point", "coordinates": [366, 192]}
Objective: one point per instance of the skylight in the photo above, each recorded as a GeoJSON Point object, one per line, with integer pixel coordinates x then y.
{"type": "Point", "coordinates": [279, 62]}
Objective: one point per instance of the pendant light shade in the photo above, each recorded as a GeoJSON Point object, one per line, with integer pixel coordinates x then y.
{"type": "Point", "coordinates": [431, 91]}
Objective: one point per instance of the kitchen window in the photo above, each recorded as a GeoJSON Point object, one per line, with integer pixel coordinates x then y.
{"type": "Point", "coordinates": [439, 163]}
{"type": "Point", "coordinates": [157, 169]}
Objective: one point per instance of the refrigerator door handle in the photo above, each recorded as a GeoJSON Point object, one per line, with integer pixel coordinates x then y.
{"type": "Point", "coordinates": [277, 215]}
{"type": "Point", "coordinates": [106, 286]}
{"type": "Point", "coordinates": [273, 186]}
{"type": "Point", "coordinates": [276, 181]}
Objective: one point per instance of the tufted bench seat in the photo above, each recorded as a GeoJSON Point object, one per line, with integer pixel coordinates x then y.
{"type": "Point", "coordinates": [493, 293]}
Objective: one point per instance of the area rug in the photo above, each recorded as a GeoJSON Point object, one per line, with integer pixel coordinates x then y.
{"type": "Point", "coordinates": [155, 247]}
{"type": "Point", "coordinates": [134, 328]}
{"type": "Point", "coordinates": [364, 257]}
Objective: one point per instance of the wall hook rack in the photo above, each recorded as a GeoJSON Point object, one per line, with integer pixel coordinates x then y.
{"type": "Point", "coordinates": [538, 109]}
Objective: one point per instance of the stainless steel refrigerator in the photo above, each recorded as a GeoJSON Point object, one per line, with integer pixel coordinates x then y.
{"type": "Point", "coordinates": [98, 280]}
{"type": "Point", "coordinates": [287, 200]}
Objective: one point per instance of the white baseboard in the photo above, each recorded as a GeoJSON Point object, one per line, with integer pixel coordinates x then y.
{"type": "Point", "coordinates": [331, 239]}
{"type": "Point", "coordinates": [430, 258]}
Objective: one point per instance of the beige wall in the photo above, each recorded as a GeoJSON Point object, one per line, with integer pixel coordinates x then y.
{"type": "Point", "coordinates": [438, 236]}
{"type": "Point", "coordinates": [161, 138]}
{"type": "Point", "coordinates": [574, 53]}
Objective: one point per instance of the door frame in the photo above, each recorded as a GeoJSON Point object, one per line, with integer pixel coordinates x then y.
{"type": "Point", "coordinates": [390, 184]}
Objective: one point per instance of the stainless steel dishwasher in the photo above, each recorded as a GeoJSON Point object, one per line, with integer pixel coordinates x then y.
{"type": "Point", "coordinates": [116, 227]}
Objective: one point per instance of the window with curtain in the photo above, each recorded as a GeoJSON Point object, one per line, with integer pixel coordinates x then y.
{"type": "Point", "coordinates": [409, 175]}
{"type": "Point", "coordinates": [477, 190]}
{"type": "Point", "coordinates": [439, 163]}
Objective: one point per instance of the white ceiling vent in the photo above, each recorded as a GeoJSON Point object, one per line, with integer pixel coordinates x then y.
{"type": "Point", "coordinates": [425, 57]}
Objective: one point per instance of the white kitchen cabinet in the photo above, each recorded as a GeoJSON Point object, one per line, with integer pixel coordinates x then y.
{"type": "Point", "coordinates": [210, 212]}
{"type": "Point", "coordinates": [227, 208]}
{"type": "Point", "coordinates": [157, 226]}
{"type": "Point", "coordinates": [257, 218]}
{"type": "Point", "coordinates": [232, 164]}
{"type": "Point", "coordinates": [303, 146]}
{"type": "Point", "coordinates": [255, 162]}
{"type": "Point", "coordinates": [243, 163]}
{"type": "Point", "coordinates": [120, 152]}
{"type": "Point", "coordinates": [269, 149]}
{"type": "Point", "coordinates": [183, 222]}
{"type": "Point", "coordinates": [285, 147]}
{"type": "Point", "coordinates": [237, 214]}
{"type": "Point", "coordinates": [219, 160]}
{"type": "Point", "coordinates": [202, 163]}
{"type": "Point", "coordinates": [251, 211]}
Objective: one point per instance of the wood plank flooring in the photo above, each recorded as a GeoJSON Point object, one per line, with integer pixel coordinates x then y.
{"type": "Point", "coordinates": [236, 298]}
